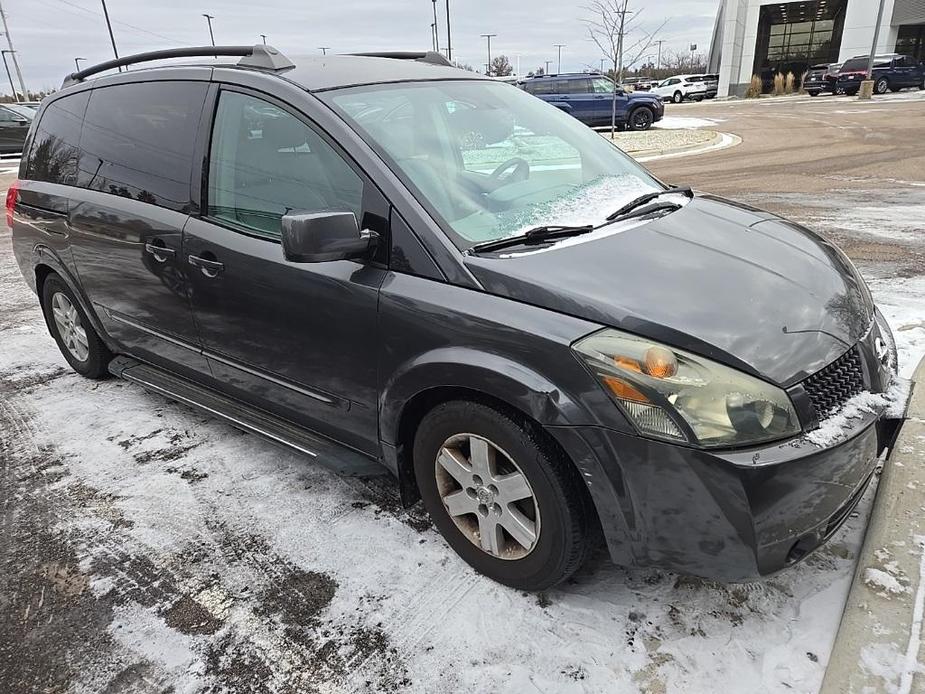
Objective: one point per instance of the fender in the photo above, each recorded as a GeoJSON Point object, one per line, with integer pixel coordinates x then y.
{"type": "Point", "coordinates": [43, 255]}
{"type": "Point", "coordinates": [497, 376]}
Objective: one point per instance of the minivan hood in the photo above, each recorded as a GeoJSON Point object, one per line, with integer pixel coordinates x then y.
{"type": "Point", "coordinates": [731, 283]}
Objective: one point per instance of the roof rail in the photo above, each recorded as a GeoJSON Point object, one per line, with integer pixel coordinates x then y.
{"type": "Point", "coordinates": [431, 57]}
{"type": "Point", "coordinates": [259, 56]}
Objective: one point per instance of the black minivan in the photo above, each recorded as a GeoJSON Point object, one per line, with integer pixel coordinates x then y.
{"type": "Point", "coordinates": [390, 259]}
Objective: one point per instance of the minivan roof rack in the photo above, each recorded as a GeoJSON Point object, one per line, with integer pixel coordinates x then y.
{"type": "Point", "coordinates": [259, 56]}
{"type": "Point", "coordinates": [431, 57]}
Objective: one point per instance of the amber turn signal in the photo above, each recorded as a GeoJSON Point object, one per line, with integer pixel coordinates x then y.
{"type": "Point", "coordinates": [624, 390]}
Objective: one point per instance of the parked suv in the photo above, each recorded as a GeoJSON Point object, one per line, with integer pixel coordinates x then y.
{"type": "Point", "coordinates": [14, 126]}
{"type": "Point", "coordinates": [821, 79]}
{"type": "Point", "coordinates": [891, 73]}
{"type": "Point", "coordinates": [589, 98]}
{"type": "Point", "coordinates": [387, 259]}
{"type": "Point", "coordinates": [680, 87]}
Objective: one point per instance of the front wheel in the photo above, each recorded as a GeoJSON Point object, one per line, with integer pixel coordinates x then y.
{"type": "Point", "coordinates": [882, 85]}
{"type": "Point", "coordinates": [677, 98]}
{"type": "Point", "coordinates": [68, 324]}
{"type": "Point", "coordinates": [642, 118]}
{"type": "Point", "coordinates": [502, 496]}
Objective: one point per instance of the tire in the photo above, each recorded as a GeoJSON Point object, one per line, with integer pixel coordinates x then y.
{"type": "Point", "coordinates": [641, 118]}
{"type": "Point", "coordinates": [69, 326]}
{"type": "Point", "coordinates": [813, 93]}
{"type": "Point", "coordinates": [881, 86]}
{"type": "Point", "coordinates": [677, 98]}
{"type": "Point", "coordinates": [557, 506]}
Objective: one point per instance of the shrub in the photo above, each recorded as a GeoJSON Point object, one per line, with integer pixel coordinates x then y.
{"type": "Point", "coordinates": [779, 84]}
{"type": "Point", "coordinates": [755, 88]}
{"type": "Point", "coordinates": [790, 85]}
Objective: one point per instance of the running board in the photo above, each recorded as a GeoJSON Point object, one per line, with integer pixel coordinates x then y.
{"type": "Point", "coordinates": [339, 459]}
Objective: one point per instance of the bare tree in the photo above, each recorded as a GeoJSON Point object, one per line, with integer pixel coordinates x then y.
{"type": "Point", "coordinates": [614, 27]}
{"type": "Point", "coordinates": [501, 66]}
{"type": "Point", "coordinates": [682, 61]}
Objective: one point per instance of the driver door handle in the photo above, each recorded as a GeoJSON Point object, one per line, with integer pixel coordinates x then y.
{"type": "Point", "coordinates": [159, 250]}
{"type": "Point", "coordinates": [210, 268]}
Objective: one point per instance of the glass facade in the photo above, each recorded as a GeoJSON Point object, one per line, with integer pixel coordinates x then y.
{"type": "Point", "coordinates": [794, 36]}
{"type": "Point", "coordinates": [911, 41]}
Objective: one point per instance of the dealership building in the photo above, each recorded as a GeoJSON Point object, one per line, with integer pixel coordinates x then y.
{"type": "Point", "coordinates": [764, 37]}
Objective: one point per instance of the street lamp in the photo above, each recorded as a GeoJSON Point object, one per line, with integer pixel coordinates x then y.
{"type": "Point", "coordinates": [209, 19]}
{"type": "Point", "coordinates": [112, 38]}
{"type": "Point", "coordinates": [436, 29]}
{"type": "Point", "coordinates": [867, 86]}
{"type": "Point", "coordinates": [489, 37]}
{"type": "Point", "coordinates": [546, 71]}
{"type": "Point", "coordinates": [264, 37]}
{"type": "Point", "coordinates": [324, 49]}
{"type": "Point", "coordinates": [77, 63]}
{"type": "Point", "coordinates": [559, 46]}
{"type": "Point", "coordinates": [9, 76]}
{"type": "Point", "coordinates": [449, 41]}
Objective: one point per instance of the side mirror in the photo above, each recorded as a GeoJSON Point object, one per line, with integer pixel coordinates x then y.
{"type": "Point", "coordinates": [325, 236]}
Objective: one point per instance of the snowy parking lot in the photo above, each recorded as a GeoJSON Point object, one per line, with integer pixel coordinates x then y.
{"type": "Point", "coordinates": [149, 548]}
{"type": "Point", "coordinates": [174, 551]}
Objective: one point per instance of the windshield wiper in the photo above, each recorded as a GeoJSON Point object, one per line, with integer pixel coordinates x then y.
{"type": "Point", "coordinates": [532, 237]}
{"type": "Point", "coordinates": [648, 197]}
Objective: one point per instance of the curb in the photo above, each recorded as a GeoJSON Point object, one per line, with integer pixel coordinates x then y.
{"type": "Point", "coordinates": [716, 139]}
{"type": "Point", "coordinates": [879, 641]}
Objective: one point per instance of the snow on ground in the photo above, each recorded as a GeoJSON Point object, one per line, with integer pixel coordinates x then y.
{"type": "Point", "coordinates": [685, 122]}
{"type": "Point", "coordinates": [209, 559]}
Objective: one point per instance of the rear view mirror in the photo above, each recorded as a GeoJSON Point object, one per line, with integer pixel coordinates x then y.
{"type": "Point", "coordinates": [324, 236]}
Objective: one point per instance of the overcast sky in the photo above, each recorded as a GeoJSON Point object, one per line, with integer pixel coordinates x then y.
{"type": "Point", "coordinates": [49, 34]}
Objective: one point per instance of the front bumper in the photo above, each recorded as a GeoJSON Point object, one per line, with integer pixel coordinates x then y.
{"type": "Point", "coordinates": [727, 516]}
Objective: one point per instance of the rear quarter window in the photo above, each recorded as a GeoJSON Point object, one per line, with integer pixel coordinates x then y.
{"type": "Point", "coordinates": [137, 141]}
{"type": "Point", "coordinates": [55, 153]}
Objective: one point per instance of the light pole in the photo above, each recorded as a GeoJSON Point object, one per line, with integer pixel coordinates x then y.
{"type": "Point", "coordinates": [324, 49]}
{"type": "Point", "coordinates": [867, 86]}
{"type": "Point", "coordinates": [559, 46]}
{"type": "Point", "coordinates": [77, 63]}
{"type": "Point", "coordinates": [436, 29]}
{"type": "Point", "coordinates": [546, 72]}
{"type": "Point", "coordinates": [9, 76]}
{"type": "Point", "coordinates": [209, 19]}
{"type": "Point", "coordinates": [659, 65]}
{"type": "Point", "coordinates": [112, 37]}
{"type": "Point", "coordinates": [489, 37]}
{"type": "Point", "coordinates": [264, 37]}
{"type": "Point", "coordinates": [449, 41]}
{"type": "Point", "coordinates": [9, 43]}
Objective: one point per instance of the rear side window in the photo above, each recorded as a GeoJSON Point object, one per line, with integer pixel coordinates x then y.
{"type": "Point", "coordinates": [138, 140]}
{"type": "Point", "coordinates": [55, 154]}
{"type": "Point", "coordinates": [541, 87]}
{"type": "Point", "coordinates": [264, 163]}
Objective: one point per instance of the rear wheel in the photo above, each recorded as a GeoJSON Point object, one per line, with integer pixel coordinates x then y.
{"type": "Point", "coordinates": [677, 98]}
{"type": "Point", "coordinates": [68, 324]}
{"type": "Point", "coordinates": [642, 118]}
{"type": "Point", "coordinates": [502, 496]}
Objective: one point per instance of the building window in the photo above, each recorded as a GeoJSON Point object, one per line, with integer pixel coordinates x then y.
{"type": "Point", "coordinates": [911, 41]}
{"type": "Point", "coordinates": [794, 36]}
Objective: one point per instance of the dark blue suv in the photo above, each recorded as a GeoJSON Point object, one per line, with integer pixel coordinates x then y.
{"type": "Point", "coordinates": [891, 72]}
{"type": "Point", "coordinates": [588, 97]}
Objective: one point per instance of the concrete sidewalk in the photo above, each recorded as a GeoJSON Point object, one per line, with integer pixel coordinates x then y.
{"type": "Point", "coordinates": [879, 645]}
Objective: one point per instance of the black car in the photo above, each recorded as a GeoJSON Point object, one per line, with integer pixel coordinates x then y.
{"type": "Point", "coordinates": [390, 259]}
{"type": "Point", "coordinates": [821, 79]}
{"type": "Point", "coordinates": [590, 99]}
{"type": "Point", "coordinates": [14, 126]}
{"type": "Point", "coordinates": [890, 73]}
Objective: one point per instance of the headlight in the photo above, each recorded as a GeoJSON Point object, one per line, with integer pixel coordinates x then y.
{"type": "Point", "coordinates": [671, 394]}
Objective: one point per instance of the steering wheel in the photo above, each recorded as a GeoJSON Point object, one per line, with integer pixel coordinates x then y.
{"type": "Point", "coordinates": [519, 168]}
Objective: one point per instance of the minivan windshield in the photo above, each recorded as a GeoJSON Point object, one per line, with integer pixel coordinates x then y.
{"type": "Point", "coordinates": [489, 160]}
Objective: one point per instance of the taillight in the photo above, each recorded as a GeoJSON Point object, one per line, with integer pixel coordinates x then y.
{"type": "Point", "coordinates": [12, 195]}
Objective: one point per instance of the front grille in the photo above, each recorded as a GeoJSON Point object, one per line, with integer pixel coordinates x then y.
{"type": "Point", "coordinates": [837, 383]}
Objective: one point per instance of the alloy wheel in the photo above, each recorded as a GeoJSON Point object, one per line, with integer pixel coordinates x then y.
{"type": "Point", "coordinates": [487, 496]}
{"type": "Point", "coordinates": [882, 87]}
{"type": "Point", "coordinates": [72, 333]}
{"type": "Point", "coordinates": [642, 119]}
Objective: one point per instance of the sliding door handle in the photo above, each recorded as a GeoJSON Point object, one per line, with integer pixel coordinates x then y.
{"type": "Point", "coordinates": [209, 268]}
{"type": "Point", "coordinates": [159, 251]}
